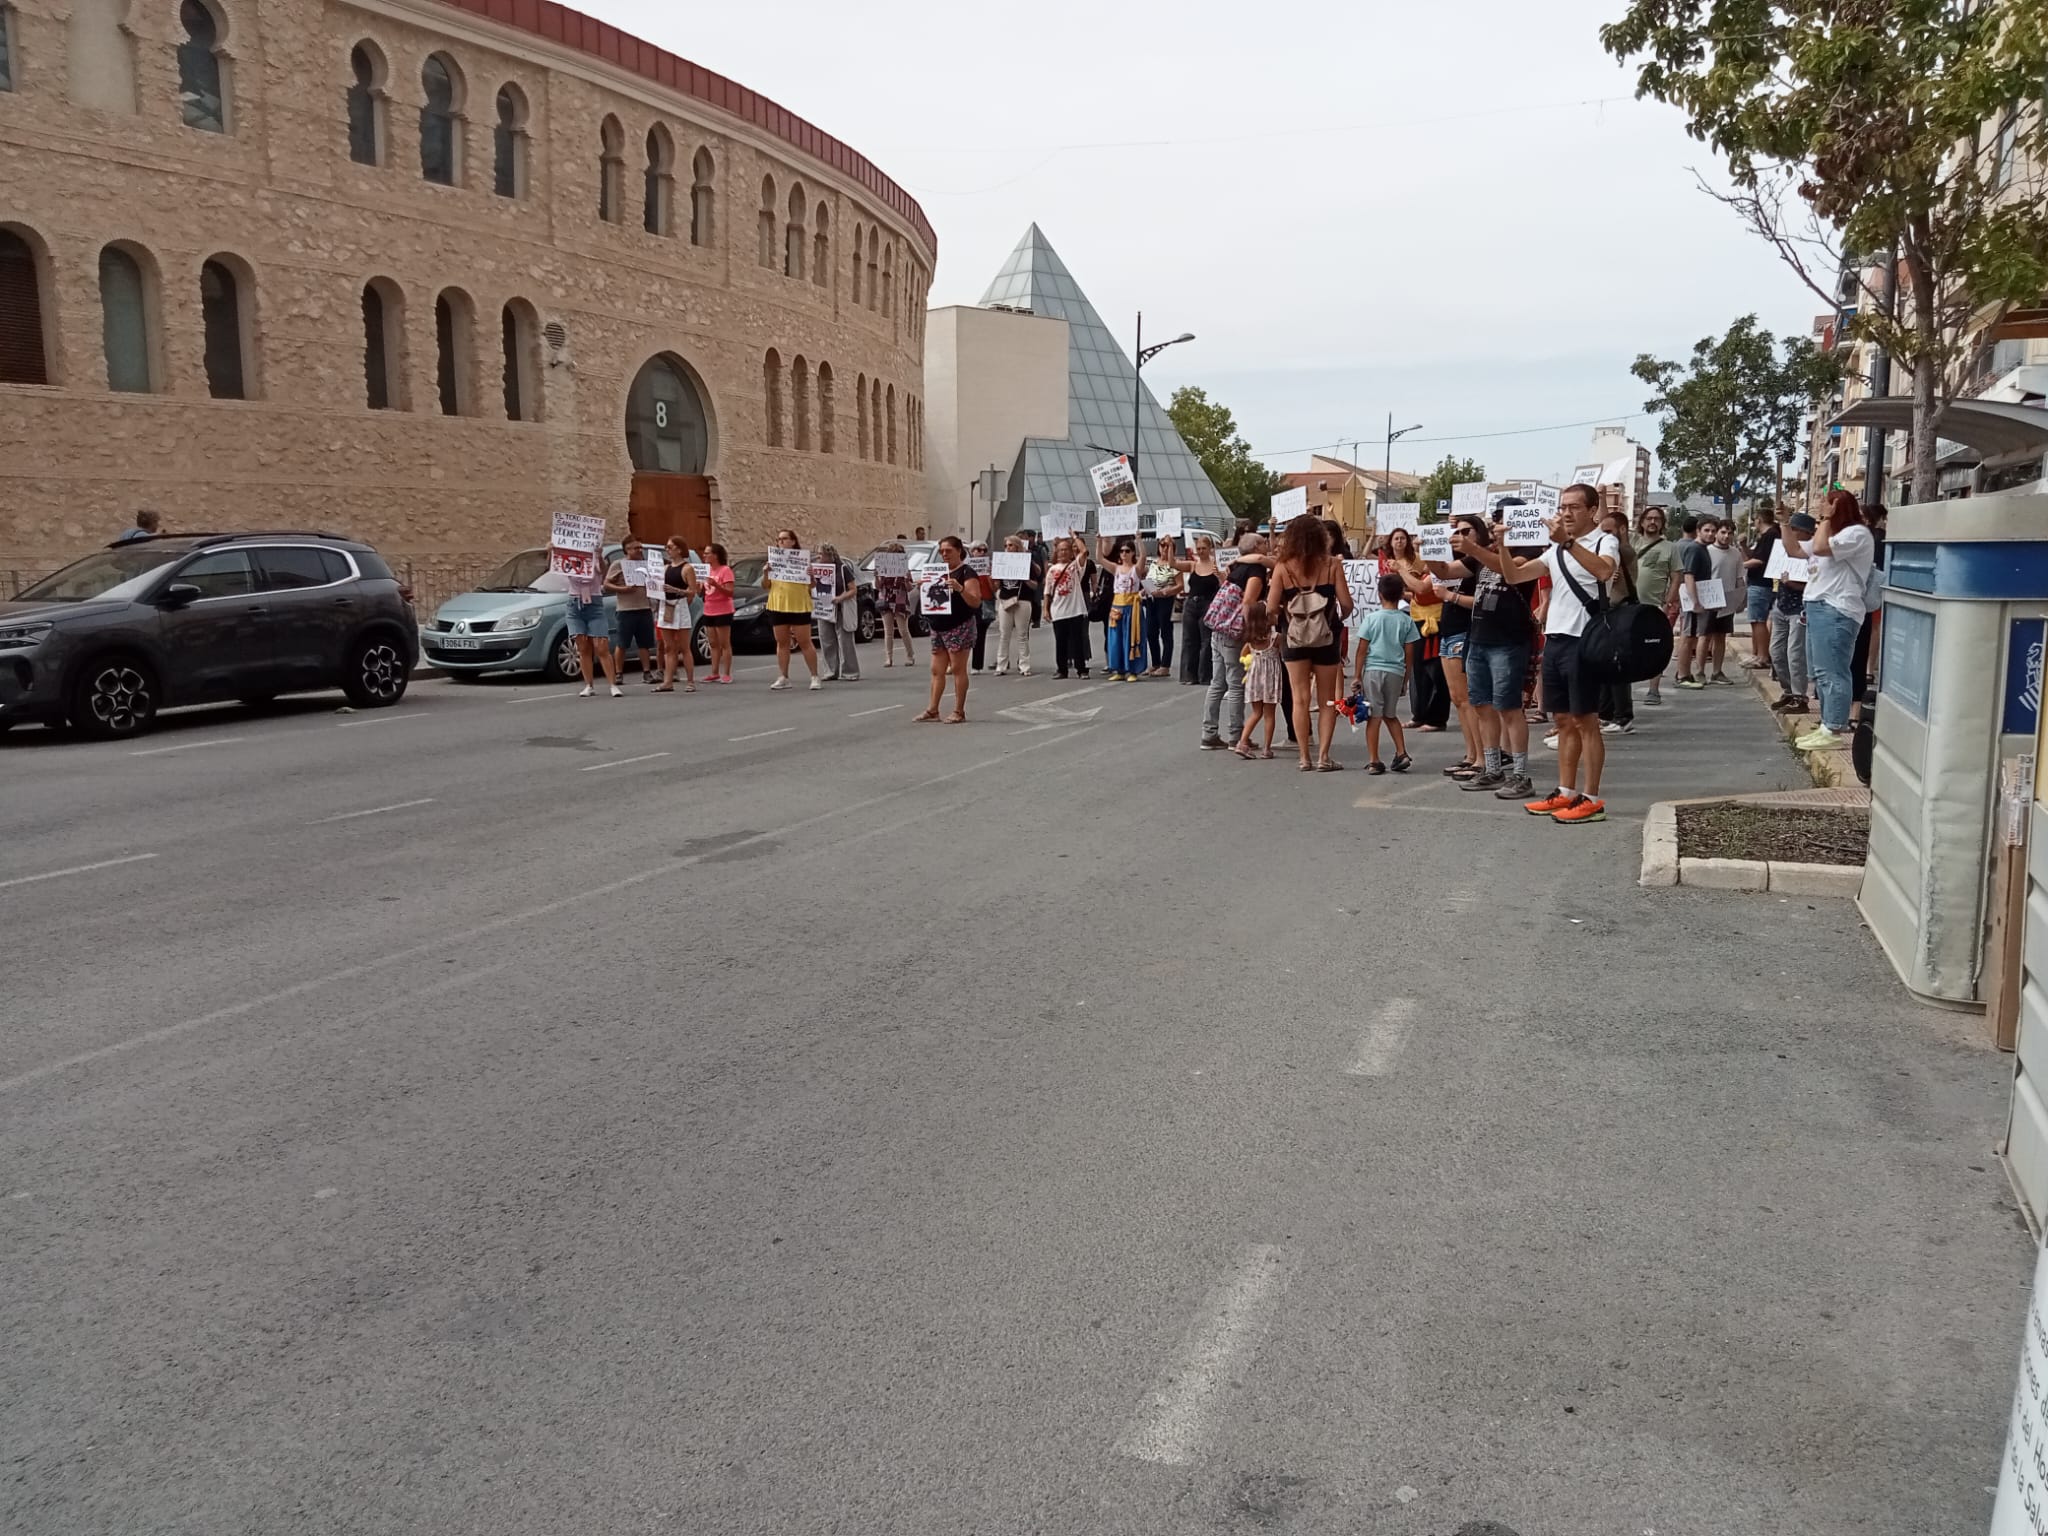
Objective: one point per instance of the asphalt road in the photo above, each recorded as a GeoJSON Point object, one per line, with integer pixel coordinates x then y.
{"type": "Point", "coordinates": [749, 1112]}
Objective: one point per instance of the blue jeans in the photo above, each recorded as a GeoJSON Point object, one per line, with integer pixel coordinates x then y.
{"type": "Point", "coordinates": [1159, 631]}
{"type": "Point", "coordinates": [1830, 644]}
{"type": "Point", "coordinates": [1125, 640]}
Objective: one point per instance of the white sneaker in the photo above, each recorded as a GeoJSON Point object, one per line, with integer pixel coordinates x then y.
{"type": "Point", "coordinates": [618, 692]}
{"type": "Point", "coordinates": [1610, 727]}
{"type": "Point", "coordinates": [1023, 671]}
{"type": "Point", "coordinates": [816, 686]}
{"type": "Point", "coordinates": [1550, 741]}
{"type": "Point", "coordinates": [778, 685]}
{"type": "Point", "coordinates": [587, 692]}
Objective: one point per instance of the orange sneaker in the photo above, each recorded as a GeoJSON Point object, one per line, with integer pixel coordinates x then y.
{"type": "Point", "coordinates": [1584, 808]}
{"type": "Point", "coordinates": [1555, 801]}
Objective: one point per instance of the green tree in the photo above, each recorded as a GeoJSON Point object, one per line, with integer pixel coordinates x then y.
{"type": "Point", "coordinates": [1855, 129]}
{"type": "Point", "coordinates": [1436, 486]}
{"type": "Point", "coordinates": [1731, 418]}
{"type": "Point", "coordinates": [1210, 432]}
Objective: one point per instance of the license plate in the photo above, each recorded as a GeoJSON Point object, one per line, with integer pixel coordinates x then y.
{"type": "Point", "coordinates": [462, 643]}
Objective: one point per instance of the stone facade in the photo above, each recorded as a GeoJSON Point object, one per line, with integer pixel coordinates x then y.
{"type": "Point", "coordinates": [278, 202]}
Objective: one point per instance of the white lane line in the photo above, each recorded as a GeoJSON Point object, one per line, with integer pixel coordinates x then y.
{"type": "Point", "coordinates": [859, 713]}
{"type": "Point", "coordinates": [511, 920]}
{"type": "Point", "coordinates": [76, 869]}
{"type": "Point", "coordinates": [1380, 1042]}
{"type": "Point", "coordinates": [544, 698]}
{"type": "Point", "coordinates": [403, 805]}
{"type": "Point", "coordinates": [644, 757]}
{"type": "Point", "coordinates": [1162, 704]}
{"type": "Point", "coordinates": [190, 746]}
{"type": "Point", "coordinates": [757, 735]}
{"type": "Point", "coordinates": [1177, 1419]}
{"type": "Point", "coordinates": [415, 714]}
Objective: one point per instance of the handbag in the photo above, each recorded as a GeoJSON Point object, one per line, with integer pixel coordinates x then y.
{"type": "Point", "coordinates": [1625, 642]}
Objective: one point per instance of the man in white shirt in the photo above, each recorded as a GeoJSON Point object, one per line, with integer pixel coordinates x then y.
{"type": "Point", "coordinates": [1576, 554]}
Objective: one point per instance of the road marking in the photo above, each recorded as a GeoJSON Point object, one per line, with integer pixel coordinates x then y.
{"type": "Point", "coordinates": [644, 757]}
{"type": "Point", "coordinates": [1162, 704]}
{"type": "Point", "coordinates": [403, 805]}
{"type": "Point", "coordinates": [76, 869]}
{"type": "Point", "coordinates": [860, 713]}
{"type": "Point", "coordinates": [545, 698]}
{"type": "Point", "coordinates": [415, 714]}
{"type": "Point", "coordinates": [1177, 1419]}
{"type": "Point", "coordinates": [519, 919]}
{"type": "Point", "coordinates": [1380, 1042]}
{"type": "Point", "coordinates": [189, 746]}
{"type": "Point", "coordinates": [757, 735]}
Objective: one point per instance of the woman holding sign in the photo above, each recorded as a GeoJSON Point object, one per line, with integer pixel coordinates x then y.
{"type": "Point", "coordinates": [1122, 628]}
{"type": "Point", "coordinates": [1066, 600]}
{"type": "Point", "coordinates": [1163, 587]}
{"type": "Point", "coordinates": [1204, 581]}
{"type": "Point", "coordinates": [718, 586]}
{"type": "Point", "coordinates": [672, 626]}
{"type": "Point", "coordinates": [789, 606]}
{"type": "Point", "coordinates": [951, 601]}
{"type": "Point", "coordinates": [893, 597]}
{"type": "Point", "coordinates": [1429, 700]}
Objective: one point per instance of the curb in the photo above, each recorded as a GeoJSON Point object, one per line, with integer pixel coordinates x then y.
{"type": "Point", "coordinates": [1662, 866]}
{"type": "Point", "coordinates": [1828, 770]}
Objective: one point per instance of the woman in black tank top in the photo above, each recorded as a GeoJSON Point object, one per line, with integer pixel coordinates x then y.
{"type": "Point", "coordinates": [1312, 599]}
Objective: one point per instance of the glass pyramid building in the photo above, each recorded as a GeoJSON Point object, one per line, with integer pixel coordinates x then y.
{"type": "Point", "coordinates": [1099, 382]}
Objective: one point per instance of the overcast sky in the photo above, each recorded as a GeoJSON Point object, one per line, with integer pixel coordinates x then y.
{"type": "Point", "coordinates": [1453, 212]}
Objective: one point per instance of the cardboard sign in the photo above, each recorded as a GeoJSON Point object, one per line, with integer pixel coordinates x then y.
{"type": "Point", "coordinates": [1012, 565]}
{"type": "Point", "coordinates": [1117, 521]}
{"type": "Point", "coordinates": [1433, 541]}
{"type": "Point", "coordinates": [1166, 523]}
{"type": "Point", "coordinates": [1363, 578]}
{"type": "Point", "coordinates": [1062, 519]}
{"type": "Point", "coordinates": [1525, 526]}
{"type": "Point", "coordinates": [1782, 567]}
{"type": "Point", "coordinates": [1389, 515]}
{"type": "Point", "coordinates": [1713, 596]}
{"type": "Point", "coordinates": [889, 565]}
{"type": "Point", "coordinates": [573, 542]}
{"type": "Point", "coordinates": [1115, 486]}
{"type": "Point", "coordinates": [1587, 474]}
{"type": "Point", "coordinates": [702, 568]}
{"type": "Point", "coordinates": [824, 589]}
{"type": "Point", "coordinates": [789, 565]}
{"type": "Point", "coordinates": [1288, 505]}
{"type": "Point", "coordinates": [934, 593]}
{"type": "Point", "coordinates": [1225, 559]}
{"type": "Point", "coordinates": [1468, 498]}
{"type": "Point", "coordinates": [1547, 497]}
{"type": "Point", "coordinates": [657, 581]}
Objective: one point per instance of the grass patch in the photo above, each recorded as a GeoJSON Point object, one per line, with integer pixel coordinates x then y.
{"type": "Point", "coordinates": [1782, 834]}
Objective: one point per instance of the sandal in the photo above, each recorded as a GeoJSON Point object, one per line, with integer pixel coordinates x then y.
{"type": "Point", "coordinates": [1266, 756]}
{"type": "Point", "coordinates": [666, 688]}
{"type": "Point", "coordinates": [930, 714]}
{"type": "Point", "coordinates": [1329, 765]}
{"type": "Point", "coordinates": [956, 719]}
{"type": "Point", "coordinates": [1461, 766]}
{"type": "Point", "coordinates": [1307, 766]}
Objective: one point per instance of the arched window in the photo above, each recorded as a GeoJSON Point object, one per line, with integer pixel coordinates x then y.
{"type": "Point", "coordinates": [875, 420]}
{"type": "Point", "coordinates": [874, 266]}
{"type": "Point", "coordinates": [793, 236]}
{"type": "Point", "coordinates": [126, 322]}
{"type": "Point", "coordinates": [24, 354]}
{"type": "Point", "coordinates": [508, 144]}
{"type": "Point", "coordinates": [767, 222]}
{"type": "Point", "coordinates": [889, 280]}
{"type": "Point", "coordinates": [222, 297]}
{"type": "Point", "coordinates": [827, 423]}
{"type": "Point", "coordinates": [800, 401]}
{"type": "Point", "coordinates": [611, 171]}
{"type": "Point", "coordinates": [441, 121]}
{"type": "Point", "coordinates": [854, 291]}
{"type": "Point", "coordinates": [658, 213]}
{"type": "Point", "coordinates": [860, 401]}
{"type": "Point", "coordinates": [368, 114]}
{"type": "Point", "coordinates": [100, 56]}
{"type": "Point", "coordinates": [892, 423]}
{"type": "Point", "coordinates": [666, 433]}
{"type": "Point", "coordinates": [522, 362]}
{"type": "Point", "coordinates": [202, 75]}
{"type": "Point", "coordinates": [6, 47]}
{"type": "Point", "coordinates": [821, 246]}
{"type": "Point", "coordinates": [703, 184]}
{"type": "Point", "coordinates": [771, 395]}
{"type": "Point", "coordinates": [383, 345]}
{"type": "Point", "coordinates": [455, 351]}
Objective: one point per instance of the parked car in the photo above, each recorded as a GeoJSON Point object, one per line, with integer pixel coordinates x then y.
{"type": "Point", "coordinates": [920, 552]}
{"type": "Point", "coordinates": [153, 623]}
{"type": "Point", "coordinates": [750, 628]}
{"type": "Point", "coordinates": [504, 625]}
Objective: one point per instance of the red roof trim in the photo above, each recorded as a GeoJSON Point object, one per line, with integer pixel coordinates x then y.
{"type": "Point", "coordinates": [586, 34]}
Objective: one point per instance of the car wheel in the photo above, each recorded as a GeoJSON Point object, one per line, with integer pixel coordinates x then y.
{"type": "Point", "coordinates": [115, 696]}
{"type": "Point", "coordinates": [375, 675]}
{"type": "Point", "coordinates": [567, 667]}
{"type": "Point", "coordinates": [700, 646]}
{"type": "Point", "coordinates": [870, 625]}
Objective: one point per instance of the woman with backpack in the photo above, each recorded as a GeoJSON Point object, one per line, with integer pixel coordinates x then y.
{"type": "Point", "coordinates": [1310, 593]}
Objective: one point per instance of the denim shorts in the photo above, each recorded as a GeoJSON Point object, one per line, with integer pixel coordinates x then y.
{"type": "Point", "coordinates": [1759, 605]}
{"type": "Point", "coordinates": [1453, 647]}
{"type": "Point", "coordinates": [590, 619]}
{"type": "Point", "coordinates": [1494, 675]}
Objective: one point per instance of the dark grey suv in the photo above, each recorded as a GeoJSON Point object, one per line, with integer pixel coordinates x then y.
{"type": "Point", "coordinates": [147, 624]}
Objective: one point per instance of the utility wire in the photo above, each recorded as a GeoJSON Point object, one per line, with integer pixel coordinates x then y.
{"type": "Point", "coordinates": [1462, 437]}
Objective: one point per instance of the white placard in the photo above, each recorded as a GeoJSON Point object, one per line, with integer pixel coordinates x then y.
{"type": "Point", "coordinates": [934, 594]}
{"type": "Point", "coordinates": [1525, 526]}
{"type": "Point", "coordinates": [574, 538]}
{"type": "Point", "coordinates": [824, 588]}
{"type": "Point", "coordinates": [1782, 567]}
{"type": "Point", "coordinates": [1547, 497]}
{"type": "Point", "coordinates": [657, 580]}
{"type": "Point", "coordinates": [1114, 522]}
{"type": "Point", "coordinates": [1468, 498]}
{"type": "Point", "coordinates": [789, 565]}
{"type": "Point", "coordinates": [1363, 578]}
{"type": "Point", "coordinates": [1225, 559]}
{"type": "Point", "coordinates": [1587, 474]}
{"type": "Point", "coordinates": [2023, 1469]}
{"type": "Point", "coordinates": [1115, 486]}
{"type": "Point", "coordinates": [1389, 515]}
{"type": "Point", "coordinates": [1166, 523]}
{"type": "Point", "coordinates": [1063, 518]}
{"type": "Point", "coordinates": [889, 564]}
{"type": "Point", "coordinates": [1288, 505]}
{"type": "Point", "coordinates": [1012, 565]}
{"type": "Point", "coordinates": [1527, 489]}
{"type": "Point", "coordinates": [1713, 596]}
{"type": "Point", "coordinates": [633, 572]}
{"type": "Point", "coordinates": [1433, 541]}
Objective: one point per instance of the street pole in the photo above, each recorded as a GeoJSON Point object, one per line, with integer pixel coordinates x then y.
{"type": "Point", "coordinates": [1137, 391]}
{"type": "Point", "coordinates": [1387, 473]}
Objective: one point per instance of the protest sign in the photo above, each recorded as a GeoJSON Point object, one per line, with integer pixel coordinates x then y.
{"type": "Point", "coordinates": [1363, 578]}
{"type": "Point", "coordinates": [1013, 565]}
{"type": "Point", "coordinates": [657, 580]}
{"type": "Point", "coordinates": [573, 542]}
{"type": "Point", "coordinates": [1288, 505]}
{"type": "Point", "coordinates": [1225, 559]}
{"type": "Point", "coordinates": [1389, 515]}
{"type": "Point", "coordinates": [1114, 522]}
{"type": "Point", "coordinates": [980, 563]}
{"type": "Point", "coordinates": [702, 568]}
{"type": "Point", "coordinates": [1115, 486]}
{"type": "Point", "coordinates": [1713, 596]}
{"type": "Point", "coordinates": [1063, 518]}
{"type": "Point", "coordinates": [1433, 541]}
{"type": "Point", "coordinates": [1525, 526]}
{"type": "Point", "coordinates": [1527, 489]}
{"type": "Point", "coordinates": [1547, 497]}
{"type": "Point", "coordinates": [934, 593]}
{"type": "Point", "coordinates": [1166, 523]}
{"type": "Point", "coordinates": [1468, 498]}
{"type": "Point", "coordinates": [889, 564]}
{"type": "Point", "coordinates": [824, 588]}
{"type": "Point", "coordinates": [789, 565]}
{"type": "Point", "coordinates": [1587, 474]}
{"type": "Point", "coordinates": [1782, 567]}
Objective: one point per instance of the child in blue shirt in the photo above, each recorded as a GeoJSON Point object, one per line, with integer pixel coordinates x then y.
{"type": "Point", "coordinates": [1384, 661]}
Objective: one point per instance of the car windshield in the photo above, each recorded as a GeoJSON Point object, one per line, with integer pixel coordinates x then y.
{"type": "Point", "coordinates": [110, 575]}
{"type": "Point", "coordinates": [747, 572]}
{"type": "Point", "coordinates": [517, 574]}
{"type": "Point", "coordinates": [919, 554]}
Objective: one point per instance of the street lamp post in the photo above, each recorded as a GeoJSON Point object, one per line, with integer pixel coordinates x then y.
{"type": "Point", "coordinates": [1387, 474]}
{"type": "Point", "coordinates": [1144, 355]}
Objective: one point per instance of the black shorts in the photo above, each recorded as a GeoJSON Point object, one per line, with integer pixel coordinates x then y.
{"type": "Point", "coordinates": [718, 621]}
{"type": "Point", "coordinates": [781, 620]}
{"type": "Point", "coordinates": [1567, 690]}
{"type": "Point", "coordinates": [1720, 623]}
{"type": "Point", "coordinates": [636, 627]}
{"type": "Point", "coordinates": [1331, 655]}
{"type": "Point", "coordinates": [1695, 624]}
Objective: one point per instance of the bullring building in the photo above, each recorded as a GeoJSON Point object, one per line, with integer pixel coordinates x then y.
{"type": "Point", "coordinates": [424, 272]}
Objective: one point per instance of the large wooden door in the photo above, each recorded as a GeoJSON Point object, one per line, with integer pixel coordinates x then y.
{"type": "Point", "coordinates": [667, 507]}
